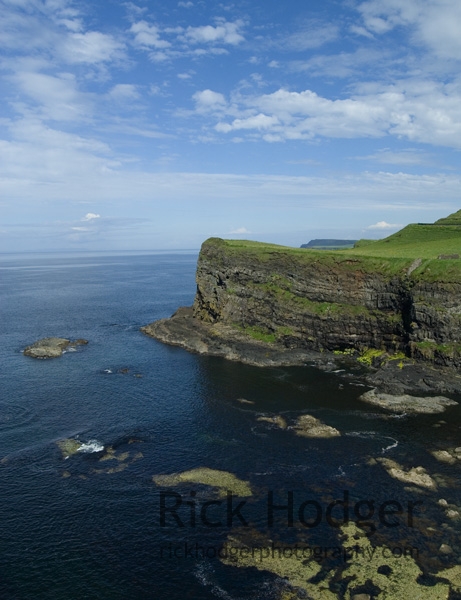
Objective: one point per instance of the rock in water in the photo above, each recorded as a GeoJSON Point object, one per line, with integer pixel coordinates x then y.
{"type": "Point", "coordinates": [51, 347]}
{"type": "Point", "coordinates": [407, 403]}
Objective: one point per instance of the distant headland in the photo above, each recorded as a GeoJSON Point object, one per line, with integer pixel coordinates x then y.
{"type": "Point", "coordinates": [329, 244]}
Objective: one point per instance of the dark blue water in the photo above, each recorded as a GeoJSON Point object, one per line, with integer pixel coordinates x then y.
{"type": "Point", "coordinates": [82, 527]}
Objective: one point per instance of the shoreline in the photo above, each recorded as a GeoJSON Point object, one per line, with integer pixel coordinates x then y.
{"type": "Point", "coordinates": [182, 329]}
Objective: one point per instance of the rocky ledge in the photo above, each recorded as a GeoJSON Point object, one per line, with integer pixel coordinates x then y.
{"type": "Point", "coordinates": [185, 330]}
{"type": "Point", "coordinates": [51, 347]}
{"type": "Point", "coordinates": [218, 339]}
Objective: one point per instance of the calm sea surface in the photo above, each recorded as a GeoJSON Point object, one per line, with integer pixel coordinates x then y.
{"type": "Point", "coordinates": [86, 528]}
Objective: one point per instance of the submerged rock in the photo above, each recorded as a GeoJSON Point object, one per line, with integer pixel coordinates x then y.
{"type": "Point", "coordinates": [68, 446]}
{"type": "Point", "coordinates": [309, 426]}
{"type": "Point", "coordinates": [222, 480]}
{"type": "Point", "coordinates": [407, 403]}
{"type": "Point", "coordinates": [51, 347]}
{"type": "Point", "coordinates": [276, 420]}
{"type": "Point", "coordinates": [244, 401]}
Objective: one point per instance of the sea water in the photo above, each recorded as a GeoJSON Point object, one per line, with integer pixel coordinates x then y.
{"type": "Point", "coordinates": [90, 524]}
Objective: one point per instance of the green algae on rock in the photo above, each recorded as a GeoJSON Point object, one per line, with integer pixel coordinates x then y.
{"type": "Point", "coordinates": [222, 480]}
{"type": "Point", "coordinates": [388, 573]}
{"type": "Point", "coordinates": [292, 566]}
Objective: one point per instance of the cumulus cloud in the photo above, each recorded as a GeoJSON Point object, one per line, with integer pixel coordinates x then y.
{"type": "Point", "coordinates": [426, 112]}
{"type": "Point", "coordinates": [91, 216]}
{"type": "Point", "coordinates": [436, 23]}
{"type": "Point", "coordinates": [258, 122]}
{"type": "Point", "coordinates": [208, 101]}
{"type": "Point", "coordinates": [175, 42]}
{"type": "Point", "coordinates": [148, 36]}
{"type": "Point", "coordinates": [384, 225]}
{"type": "Point", "coordinates": [225, 31]}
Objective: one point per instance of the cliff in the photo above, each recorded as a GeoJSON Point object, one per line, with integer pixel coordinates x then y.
{"type": "Point", "coordinates": [397, 295]}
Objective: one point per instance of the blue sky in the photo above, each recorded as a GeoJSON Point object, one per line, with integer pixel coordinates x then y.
{"type": "Point", "coordinates": [155, 124]}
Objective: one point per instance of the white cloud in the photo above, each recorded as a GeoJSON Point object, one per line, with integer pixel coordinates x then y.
{"type": "Point", "coordinates": [55, 97]}
{"type": "Point", "coordinates": [419, 111]}
{"type": "Point", "coordinates": [258, 122]}
{"type": "Point", "coordinates": [91, 216]}
{"type": "Point", "coordinates": [225, 31]}
{"type": "Point", "coordinates": [384, 225]}
{"type": "Point", "coordinates": [124, 92]}
{"type": "Point", "coordinates": [240, 230]}
{"type": "Point", "coordinates": [148, 36]}
{"type": "Point", "coordinates": [358, 30]}
{"type": "Point", "coordinates": [313, 35]}
{"type": "Point", "coordinates": [403, 158]}
{"type": "Point", "coordinates": [57, 31]}
{"type": "Point", "coordinates": [208, 101]}
{"type": "Point", "coordinates": [435, 23]}
{"type": "Point", "coordinates": [344, 64]}
{"type": "Point", "coordinates": [91, 47]}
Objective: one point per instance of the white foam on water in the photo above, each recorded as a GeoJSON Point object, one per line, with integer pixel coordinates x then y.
{"type": "Point", "coordinates": [91, 446]}
{"type": "Point", "coordinates": [394, 445]}
{"type": "Point", "coordinates": [372, 434]}
{"type": "Point", "coordinates": [361, 434]}
{"type": "Point", "coordinates": [398, 416]}
{"type": "Point", "coordinates": [204, 573]}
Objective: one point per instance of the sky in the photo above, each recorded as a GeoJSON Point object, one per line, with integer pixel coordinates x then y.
{"type": "Point", "coordinates": [156, 124]}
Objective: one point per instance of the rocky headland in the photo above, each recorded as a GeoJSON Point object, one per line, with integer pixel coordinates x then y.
{"type": "Point", "coordinates": [268, 305]}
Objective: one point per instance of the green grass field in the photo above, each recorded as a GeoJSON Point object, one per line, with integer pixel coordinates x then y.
{"type": "Point", "coordinates": [415, 241]}
{"type": "Point", "coordinates": [392, 255]}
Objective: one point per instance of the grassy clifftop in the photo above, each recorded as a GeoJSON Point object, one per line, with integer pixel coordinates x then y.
{"type": "Point", "coordinates": [393, 255]}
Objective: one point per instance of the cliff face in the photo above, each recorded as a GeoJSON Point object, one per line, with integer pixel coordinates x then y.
{"type": "Point", "coordinates": [329, 302]}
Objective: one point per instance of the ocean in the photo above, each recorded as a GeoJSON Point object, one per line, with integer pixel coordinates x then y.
{"type": "Point", "coordinates": [95, 525]}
